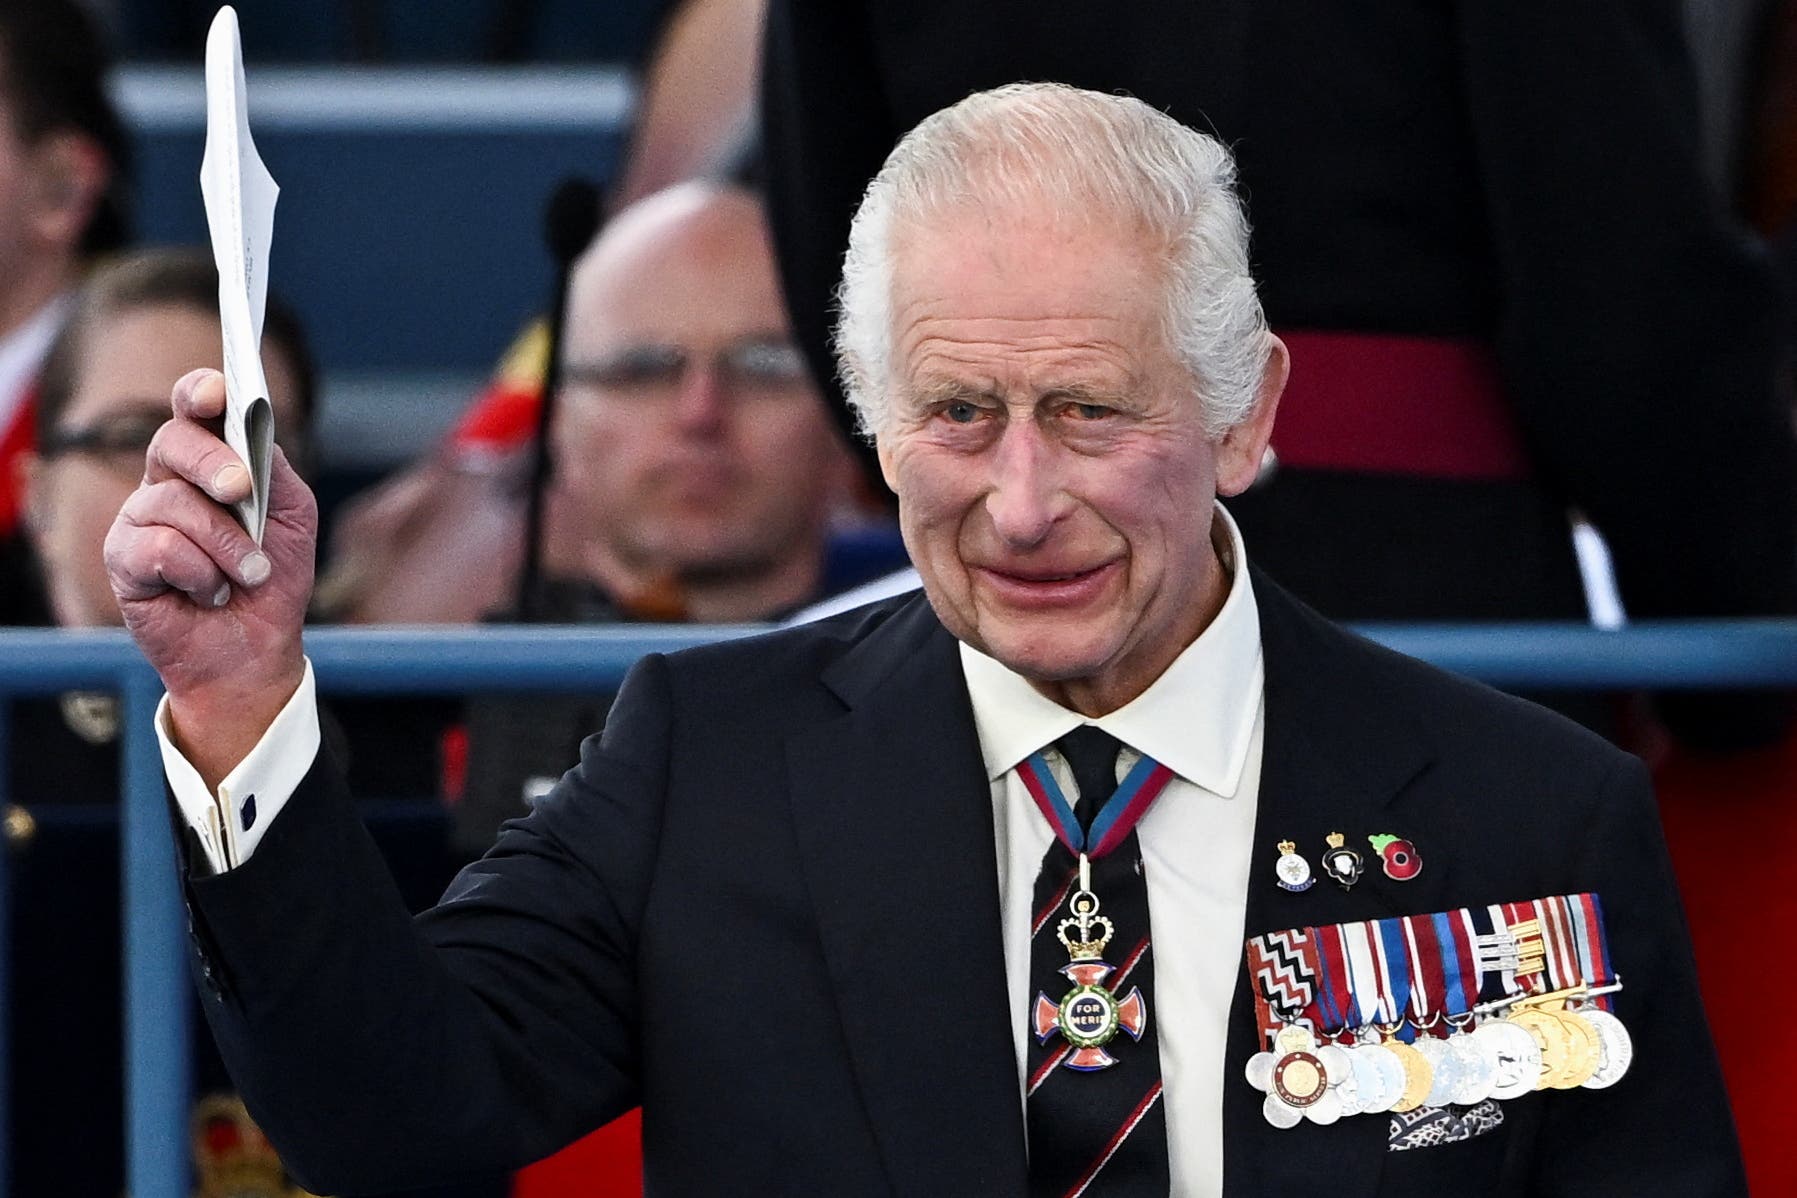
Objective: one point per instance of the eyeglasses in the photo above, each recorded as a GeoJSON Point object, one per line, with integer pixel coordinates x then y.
{"type": "Point", "coordinates": [120, 442]}
{"type": "Point", "coordinates": [757, 365]}
{"type": "Point", "coordinates": [117, 441]}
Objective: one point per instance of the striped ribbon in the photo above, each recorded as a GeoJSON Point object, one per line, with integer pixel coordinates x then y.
{"type": "Point", "coordinates": [1120, 813]}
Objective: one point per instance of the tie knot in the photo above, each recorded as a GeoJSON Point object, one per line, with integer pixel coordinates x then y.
{"type": "Point", "coordinates": [1091, 754]}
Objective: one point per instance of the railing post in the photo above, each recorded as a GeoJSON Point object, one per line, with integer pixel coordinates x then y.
{"type": "Point", "coordinates": [5, 955]}
{"type": "Point", "coordinates": [158, 1058]}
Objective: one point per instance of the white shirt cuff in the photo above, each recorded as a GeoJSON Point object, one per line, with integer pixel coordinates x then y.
{"type": "Point", "coordinates": [230, 823]}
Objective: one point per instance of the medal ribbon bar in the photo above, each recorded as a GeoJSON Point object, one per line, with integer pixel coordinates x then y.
{"type": "Point", "coordinates": [1428, 979]}
{"type": "Point", "coordinates": [1336, 1010]}
{"type": "Point", "coordinates": [1456, 954]}
{"type": "Point", "coordinates": [1593, 946]}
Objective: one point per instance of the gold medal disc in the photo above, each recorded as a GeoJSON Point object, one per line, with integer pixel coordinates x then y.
{"type": "Point", "coordinates": [1419, 1076]}
{"type": "Point", "coordinates": [1585, 1051]}
{"type": "Point", "coordinates": [1552, 1036]}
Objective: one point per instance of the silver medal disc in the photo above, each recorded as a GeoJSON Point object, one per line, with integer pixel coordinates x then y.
{"type": "Point", "coordinates": [1260, 1071]}
{"type": "Point", "coordinates": [1325, 1110]}
{"type": "Point", "coordinates": [1370, 1078]}
{"type": "Point", "coordinates": [1518, 1058]}
{"type": "Point", "coordinates": [1344, 1083]}
{"type": "Point", "coordinates": [1279, 1114]}
{"type": "Point", "coordinates": [1391, 1069]}
{"type": "Point", "coordinates": [1445, 1070]}
{"type": "Point", "coordinates": [1478, 1071]}
{"type": "Point", "coordinates": [1618, 1048]}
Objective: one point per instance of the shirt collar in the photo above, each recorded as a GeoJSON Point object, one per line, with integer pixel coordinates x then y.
{"type": "Point", "coordinates": [1197, 718]}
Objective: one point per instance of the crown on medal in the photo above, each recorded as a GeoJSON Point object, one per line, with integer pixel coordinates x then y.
{"type": "Point", "coordinates": [1335, 839]}
{"type": "Point", "coordinates": [1086, 947]}
{"type": "Point", "coordinates": [1286, 846]}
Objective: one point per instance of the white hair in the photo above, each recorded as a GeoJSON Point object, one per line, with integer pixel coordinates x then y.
{"type": "Point", "coordinates": [1048, 147]}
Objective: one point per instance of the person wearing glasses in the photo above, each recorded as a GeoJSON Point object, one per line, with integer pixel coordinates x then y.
{"type": "Point", "coordinates": [138, 325]}
{"type": "Point", "coordinates": [695, 466]}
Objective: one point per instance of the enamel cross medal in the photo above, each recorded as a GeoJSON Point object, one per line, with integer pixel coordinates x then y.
{"type": "Point", "coordinates": [1089, 1016]}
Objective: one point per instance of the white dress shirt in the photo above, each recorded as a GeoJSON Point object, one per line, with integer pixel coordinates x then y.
{"type": "Point", "coordinates": [231, 821]}
{"type": "Point", "coordinates": [1203, 720]}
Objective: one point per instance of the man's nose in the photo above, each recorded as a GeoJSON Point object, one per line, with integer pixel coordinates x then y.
{"type": "Point", "coordinates": [1026, 495]}
{"type": "Point", "coordinates": [703, 401]}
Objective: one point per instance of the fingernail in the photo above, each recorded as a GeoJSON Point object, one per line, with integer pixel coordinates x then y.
{"type": "Point", "coordinates": [222, 596]}
{"type": "Point", "coordinates": [230, 478]}
{"type": "Point", "coordinates": [254, 568]}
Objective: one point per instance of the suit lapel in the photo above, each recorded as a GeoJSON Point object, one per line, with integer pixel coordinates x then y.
{"type": "Point", "coordinates": [894, 821]}
{"type": "Point", "coordinates": [1333, 761]}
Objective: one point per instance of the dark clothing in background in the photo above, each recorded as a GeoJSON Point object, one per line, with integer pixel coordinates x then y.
{"type": "Point", "coordinates": [519, 745]}
{"type": "Point", "coordinates": [1524, 174]}
{"type": "Point", "coordinates": [66, 1075]}
{"type": "Point", "coordinates": [517, 740]}
{"type": "Point", "coordinates": [67, 1034]}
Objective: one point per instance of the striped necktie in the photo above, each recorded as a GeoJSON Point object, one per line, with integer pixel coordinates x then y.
{"type": "Point", "coordinates": [1103, 1130]}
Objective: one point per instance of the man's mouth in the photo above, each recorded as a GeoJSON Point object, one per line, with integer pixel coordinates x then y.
{"type": "Point", "coordinates": [1039, 587]}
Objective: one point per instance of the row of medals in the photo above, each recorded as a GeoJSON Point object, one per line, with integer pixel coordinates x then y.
{"type": "Point", "coordinates": [1538, 1043]}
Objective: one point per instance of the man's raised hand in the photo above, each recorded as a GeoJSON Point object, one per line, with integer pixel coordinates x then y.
{"type": "Point", "coordinates": [219, 618]}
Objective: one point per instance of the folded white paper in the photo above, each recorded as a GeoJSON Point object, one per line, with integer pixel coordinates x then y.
{"type": "Point", "coordinates": [240, 213]}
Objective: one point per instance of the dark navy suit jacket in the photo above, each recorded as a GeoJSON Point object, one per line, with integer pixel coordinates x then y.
{"type": "Point", "coordinates": [765, 906]}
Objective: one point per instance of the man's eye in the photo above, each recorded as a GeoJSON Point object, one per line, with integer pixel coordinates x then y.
{"type": "Point", "coordinates": [1091, 411]}
{"type": "Point", "coordinates": [961, 412]}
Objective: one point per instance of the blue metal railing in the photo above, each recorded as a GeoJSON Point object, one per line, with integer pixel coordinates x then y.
{"type": "Point", "coordinates": [1545, 656]}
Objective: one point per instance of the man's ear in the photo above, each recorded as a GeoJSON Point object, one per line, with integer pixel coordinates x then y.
{"type": "Point", "coordinates": [1240, 452]}
{"type": "Point", "coordinates": [883, 450]}
{"type": "Point", "coordinates": [67, 173]}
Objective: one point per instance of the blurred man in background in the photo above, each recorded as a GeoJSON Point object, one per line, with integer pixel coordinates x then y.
{"type": "Point", "coordinates": [63, 160]}
{"type": "Point", "coordinates": [695, 464]}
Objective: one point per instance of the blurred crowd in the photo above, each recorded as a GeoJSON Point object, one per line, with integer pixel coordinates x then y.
{"type": "Point", "coordinates": [1531, 262]}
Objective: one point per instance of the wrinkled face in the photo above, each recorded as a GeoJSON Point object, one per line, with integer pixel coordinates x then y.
{"type": "Point", "coordinates": [119, 399]}
{"type": "Point", "coordinates": [1055, 483]}
{"type": "Point", "coordinates": [691, 442]}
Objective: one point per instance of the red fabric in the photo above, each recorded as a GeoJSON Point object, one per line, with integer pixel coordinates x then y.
{"type": "Point", "coordinates": [606, 1164]}
{"type": "Point", "coordinates": [1730, 824]}
{"type": "Point", "coordinates": [503, 417]}
{"type": "Point", "coordinates": [454, 748]}
{"type": "Point", "coordinates": [20, 436]}
{"type": "Point", "coordinates": [1383, 404]}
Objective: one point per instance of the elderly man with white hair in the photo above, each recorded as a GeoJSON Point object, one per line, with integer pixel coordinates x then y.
{"type": "Point", "coordinates": [949, 895]}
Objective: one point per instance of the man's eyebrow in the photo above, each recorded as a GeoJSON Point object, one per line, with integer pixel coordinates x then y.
{"type": "Point", "coordinates": [1085, 393]}
{"type": "Point", "coordinates": [931, 392]}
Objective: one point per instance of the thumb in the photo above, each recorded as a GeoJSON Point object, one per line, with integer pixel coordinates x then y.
{"type": "Point", "coordinates": [290, 500]}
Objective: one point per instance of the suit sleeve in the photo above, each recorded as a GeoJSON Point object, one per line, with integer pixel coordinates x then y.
{"type": "Point", "coordinates": [1665, 1128]}
{"type": "Point", "coordinates": [826, 129]}
{"type": "Point", "coordinates": [383, 1053]}
{"type": "Point", "coordinates": [1639, 327]}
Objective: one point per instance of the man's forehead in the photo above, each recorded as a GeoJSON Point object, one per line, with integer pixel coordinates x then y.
{"type": "Point", "coordinates": [970, 266]}
{"type": "Point", "coordinates": [700, 269]}
{"type": "Point", "coordinates": [1085, 307]}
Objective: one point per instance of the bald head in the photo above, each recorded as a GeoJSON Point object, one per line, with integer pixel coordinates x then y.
{"type": "Point", "coordinates": [692, 443]}
{"type": "Point", "coordinates": [695, 229]}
